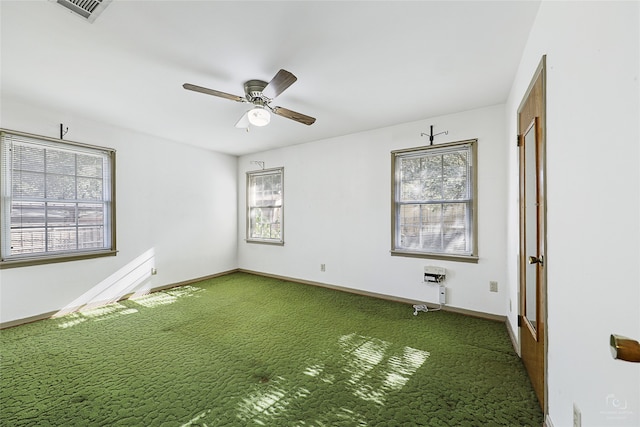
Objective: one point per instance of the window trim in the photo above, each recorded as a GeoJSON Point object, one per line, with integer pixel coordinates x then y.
{"type": "Point", "coordinates": [248, 239]}
{"type": "Point", "coordinates": [48, 258]}
{"type": "Point", "coordinates": [395, 251]}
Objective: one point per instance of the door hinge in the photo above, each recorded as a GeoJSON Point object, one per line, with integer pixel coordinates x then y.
{"type": "Point", "coordinates": [519, 320]}
{"type": "Point", "coordinates": [518, 139]}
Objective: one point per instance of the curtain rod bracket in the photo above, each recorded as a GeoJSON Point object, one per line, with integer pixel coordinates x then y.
{"type": "Point", "coordinates": [258, 162]}
{"type": "Point", "coordinates": [63, 131]}
{"type": "Point", "coordinates": [431, 135]}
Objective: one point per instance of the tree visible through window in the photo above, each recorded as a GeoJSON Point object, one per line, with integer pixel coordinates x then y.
{"type": "Point", "coordinates": [57, 200]}
{"type": "Point", "coordinates": [434, 201]}
{"type": "Point", "coordinates": [265, 206]}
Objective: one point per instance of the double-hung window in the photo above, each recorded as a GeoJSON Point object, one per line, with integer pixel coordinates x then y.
{"type": "Point", "coordinates": [265, 203]}
{"type": "Point", "coordinates": [434, 201]}
{"type": "Point", "coordinates": [58, 200]}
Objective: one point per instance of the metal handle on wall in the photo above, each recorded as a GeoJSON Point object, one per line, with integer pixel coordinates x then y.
{"type": "Point", "coordinates": [624, 348]}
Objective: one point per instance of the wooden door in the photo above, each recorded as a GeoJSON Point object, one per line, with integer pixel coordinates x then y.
{"type": "Point", "coordinates": [532, 315]}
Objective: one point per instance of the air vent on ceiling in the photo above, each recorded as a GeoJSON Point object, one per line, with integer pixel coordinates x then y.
{"type": "Point", "coordinates": [87, 9]}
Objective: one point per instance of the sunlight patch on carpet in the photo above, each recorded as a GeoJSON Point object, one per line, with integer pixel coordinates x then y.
{"type": "Point", "coordinates": [196, 420]}
{"type": "Point", "coordinates": [110, 311]}
{"type": "Point", "coordinates": [107, 311]}
{"type": "Point", "coordinates": [374, 373]}
{"type": "Point", "coordinates": [103, 312]}
{"type": "Point", "coordinates": [372, 369]}
{"type": "Point", "coordinates": [157, 299]}
{"type": "Point", "coordinates": [263, 405]}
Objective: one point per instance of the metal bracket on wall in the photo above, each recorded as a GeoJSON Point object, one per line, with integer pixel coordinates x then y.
{"type": "Point", "coordinates": [63, 130]}
{"type": "Point", "coordinates": [432, 135]}
{"type": "Point", "coordinates": [260, 163]}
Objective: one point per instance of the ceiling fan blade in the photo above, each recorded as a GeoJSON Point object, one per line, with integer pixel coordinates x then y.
{"type": "Point", "coordinates": [201, 89]}
{"type": "Point", "coordinates": [243, 123]}
{"type": "Point", "coordinates": [282, 80]}
{"type": "Point", "coordinates": [289, 114]}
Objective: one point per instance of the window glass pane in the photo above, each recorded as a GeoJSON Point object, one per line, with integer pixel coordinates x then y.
{"type": "Point", "coordinates": [431, 231]}
{"type": "Point", "coordinates": [28, 185]}
{"type": "Point", "coordinates": [454, 227]}
{"type": "Point", "coordinates": [27, 214]}
{"type": "Point", "coordinates": [91, 237]}
{"type": "Point", "coordinates": [266, 223]}
{"type": "Point", "coordinates": [61, 187]}
{"type": "Point", "coordinates": [454, 189]}
{"type": "Point", "coordinates": [454, 163]}
{"type": "Point", "coordinates": [60, 162]}
{"type": "Point", "coordinates": [90, 189]}
{"type": "Point", "coordinates": [432, 165]}
{"type": "Point", "coordinates": [411, 189]}
{"type": "Point", "coordinates": [90, 214]}
{"type": "Point", "coordinates": [28, 158]}
{"type": "Point", "coordinates": [410, 225]}
{"type": "Point", "coordinates": [432, 189]}
{"type": "Point", "coordinates": [89, 166]}
{"type": "Point", "coordinates": [28, 240]}
{"type": "Point", "coordinates": [455, 177]}
{"type": "Point", "coordinates": [436, 227]}
{"type": "Point", "coordinates": [61, 214]}
{"type": "Point", "coordinates": [62, 239]}
{"type": "Point", "coordinates": [411, 169]}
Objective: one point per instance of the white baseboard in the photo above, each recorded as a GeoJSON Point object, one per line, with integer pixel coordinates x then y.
{"type": "Point", "coordinates": [466, 312]}
{"type": "Point", "coordinates": [514, 338]}
{"type": "Point", "coordinates": [547, 421]}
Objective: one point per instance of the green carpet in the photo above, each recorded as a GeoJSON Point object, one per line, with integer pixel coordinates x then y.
{"type": "Point", "coordinates": [243, 350]}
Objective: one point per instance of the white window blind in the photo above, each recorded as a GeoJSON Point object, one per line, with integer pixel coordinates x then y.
{"type": "Point", "coordinates": [434, 200]}
{"type": "Point", "coordinates": [57, 198]}
{"type": "Point", "coordinates": [265, 200]}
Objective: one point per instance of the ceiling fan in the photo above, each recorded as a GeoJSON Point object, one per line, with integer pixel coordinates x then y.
{"type": "Point", "coordinates": [260, 94]}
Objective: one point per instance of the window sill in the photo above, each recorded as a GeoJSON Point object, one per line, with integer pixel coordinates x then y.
{"type": "Point", "coordinates": [31, 261]}
{"type": "Point", "coordinates": [446, 257]}
{"type": "Point", "coordinates": [266, 242]}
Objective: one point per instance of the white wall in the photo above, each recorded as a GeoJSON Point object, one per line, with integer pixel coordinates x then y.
{"type": "Point", "coordinates": [175, 208]}
{"type": "Point", "coordinates": [593, 256]}
{"type": "Point", "coordinates": [337, 212]}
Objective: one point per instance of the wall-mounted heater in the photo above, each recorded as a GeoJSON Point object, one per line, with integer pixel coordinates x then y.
{"type": "Point", "coordinates": [434, 274]}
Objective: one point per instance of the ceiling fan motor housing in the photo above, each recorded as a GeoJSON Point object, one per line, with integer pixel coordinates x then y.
{"type": "Point", "coordinates": [253, 91]}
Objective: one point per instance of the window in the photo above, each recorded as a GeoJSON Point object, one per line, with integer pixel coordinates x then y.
{"type": "Point", "coordinates": [265, 206]}
{"type": "Point", "coordinates": [434, 202]}
{"type": "Point", "coordinates": [57, 200]}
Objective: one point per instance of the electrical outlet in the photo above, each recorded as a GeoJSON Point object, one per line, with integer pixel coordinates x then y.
{"type": "Point", "coordinates": [323, 267]}
{"type": "Point", "coordinates": [577, 416]}
{"type": "Point", "coordinates": [493, 286]}
{"type": "Point", "coordinates": [154, 271]}
{"type": "Point", "coordinates": [442, 295]}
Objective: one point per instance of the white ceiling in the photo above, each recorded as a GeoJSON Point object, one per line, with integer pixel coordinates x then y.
{"type": "Point", "coordinates": [360, 65]}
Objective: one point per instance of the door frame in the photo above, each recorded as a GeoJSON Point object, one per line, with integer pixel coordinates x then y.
{"type": "Point", "coordinates": [540, 123]}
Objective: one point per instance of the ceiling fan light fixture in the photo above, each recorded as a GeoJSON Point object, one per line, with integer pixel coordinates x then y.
{"type": "Point", "coordinates": [259, 116]}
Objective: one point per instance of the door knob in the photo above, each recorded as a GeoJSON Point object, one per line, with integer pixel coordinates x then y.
{"type": "Point", "coordinates": [624, 348]}
{"type": "Point", "coordinates": [536, 260]}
